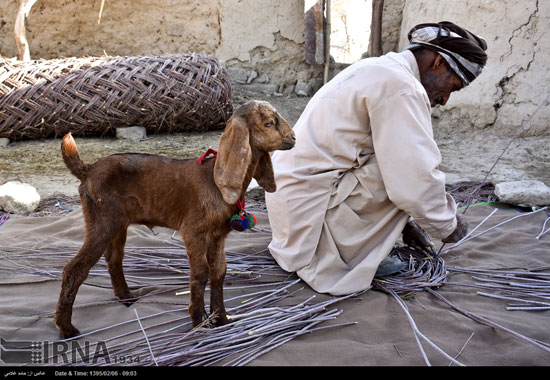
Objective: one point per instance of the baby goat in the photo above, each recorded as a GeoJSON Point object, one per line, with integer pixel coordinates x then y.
{"type": "Point", "coordinates": [197, 200]}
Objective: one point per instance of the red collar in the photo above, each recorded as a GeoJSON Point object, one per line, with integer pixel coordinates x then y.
{"type": "Point", "coordinates": [208, 153]}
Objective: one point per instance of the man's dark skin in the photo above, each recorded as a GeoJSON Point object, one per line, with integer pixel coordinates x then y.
{"type": "Point", "coordinates": [439, 81]}
{"type": "Point", "coordinates": [437, 77]}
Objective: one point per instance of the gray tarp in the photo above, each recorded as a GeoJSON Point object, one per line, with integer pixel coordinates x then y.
{"type": "Point", "coordinates": [381, 336]}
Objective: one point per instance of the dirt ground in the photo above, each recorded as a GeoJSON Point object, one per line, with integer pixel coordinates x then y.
{"type": "Point", "coordinates": [39, 162]}
{"type": "Point", "coordinates": [466, 157]}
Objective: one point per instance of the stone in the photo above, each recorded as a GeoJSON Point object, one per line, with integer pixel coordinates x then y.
{"type": "Point", "coordinates": [253, 75]}
{"type": "Point", "coordinates": [264, 88]}
{"type": "Point", "coordinates": [263, 79]}
{"type": "Point", "coordinates": [527, 193]}
{"type": "Point", "coordinates": [4, 141]}
{"type": "Point", "coordinates": [254, 190]}
{"type": "Point", "coordinates": [18, 198]}
{"type": "Point", "coordinates": [238, 75]}
{"type": "Point", "coordinates": [302, 89]}
{"type": "Point", "coordinates": [131, 133]}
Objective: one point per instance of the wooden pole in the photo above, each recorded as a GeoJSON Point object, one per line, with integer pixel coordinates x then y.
{"type": "Point", "coordinates": [20, 33]}
{"type": "Point", "coordinates": [375, 43]}
{"type": "Point", "coordinates": [100, 11]}
{"type": "Point", "coordinates": [327, 40]}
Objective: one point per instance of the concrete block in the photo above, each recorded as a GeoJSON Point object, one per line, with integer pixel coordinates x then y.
{"type": "Point", "coordinates": [264, 88]}
{"type": "Point", "coordinates": [528, 193]}
{"type": "Point", "coordinates": [131, 133]}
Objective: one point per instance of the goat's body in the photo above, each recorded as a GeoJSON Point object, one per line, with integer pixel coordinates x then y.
{"type": "Point", "coordinates": [165, 203]}
{"type": "Point", "coordinates": [124, 189]}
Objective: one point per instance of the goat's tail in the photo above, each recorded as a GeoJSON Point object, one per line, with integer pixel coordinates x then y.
{"type": "Point", "coordinates": [69, 151]}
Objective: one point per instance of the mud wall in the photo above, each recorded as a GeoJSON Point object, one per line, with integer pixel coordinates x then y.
{"type": "Point", "coordinates": [58, 28]}
{"type": "Point", "coordinates": [516, 79]}
{"type": "Point", "coordinates": [262, 42]}
{"type": "Point", "coordinates": [264, 37]}
{"type": "Point", "coordinates": [392, 16]}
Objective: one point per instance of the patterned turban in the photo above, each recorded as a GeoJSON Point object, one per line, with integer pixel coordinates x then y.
{"type": "Point", "coordinates": [463, 50]}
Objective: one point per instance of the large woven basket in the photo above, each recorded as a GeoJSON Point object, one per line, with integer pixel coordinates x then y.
{"type": "Point", "coordinates": [92, 96]}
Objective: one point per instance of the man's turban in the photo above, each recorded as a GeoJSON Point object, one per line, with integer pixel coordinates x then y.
{"type": "Point", "coordinates": [463, 50]}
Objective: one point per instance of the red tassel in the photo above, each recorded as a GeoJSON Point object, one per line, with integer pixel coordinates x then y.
{"type": "Point", "coordinates": [240, 204]}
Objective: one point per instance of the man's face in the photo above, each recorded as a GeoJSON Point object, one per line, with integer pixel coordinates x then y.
{"type": "Point", "coordinates": [439, 81]}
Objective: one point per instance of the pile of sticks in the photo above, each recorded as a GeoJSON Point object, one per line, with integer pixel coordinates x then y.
{"type": "Point", "coordinates": [525, 290]}
{"type": "Point", "coordinates": [422, 271]}
{"type": "Point", "coordinates": [143, 266]}
{"type": "Point", "coordinates": [261, 320]}
{"type": "Point", "coordinates": [469, 192]}
{"type": "Point", "coordinates": [259, 325]}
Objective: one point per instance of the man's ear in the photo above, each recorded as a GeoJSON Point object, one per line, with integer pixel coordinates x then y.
{"type": "Point", "coordinates": [439, 62]}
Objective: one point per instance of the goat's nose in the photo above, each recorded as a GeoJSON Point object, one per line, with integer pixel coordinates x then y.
{"type": "Point", "coordinates": [291, 136]}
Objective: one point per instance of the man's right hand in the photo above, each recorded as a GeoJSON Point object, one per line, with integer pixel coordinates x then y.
{"type": "Point", "coordinates": [416, 238]}
{"type": "Point", "coordinates": [460, 231]}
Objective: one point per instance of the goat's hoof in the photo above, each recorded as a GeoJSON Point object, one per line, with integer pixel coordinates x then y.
{"type": "Point", "coordinates": [221, 320]}
{"type": "Point", "coordinates": [68, 332]}
{"type": "Point", "coordinates": [128, 301]}
{"type": "Point", "coordinates": [199, 319]}
{"type": "Point", "coordinates": [126, 298]}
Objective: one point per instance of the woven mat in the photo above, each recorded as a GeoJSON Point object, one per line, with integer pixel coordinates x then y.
{"type": "Point", "coordinates": [94, 95]}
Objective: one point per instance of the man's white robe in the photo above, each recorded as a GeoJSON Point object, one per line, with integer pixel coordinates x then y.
{"type": "Point", "coordinates": [365, 160]}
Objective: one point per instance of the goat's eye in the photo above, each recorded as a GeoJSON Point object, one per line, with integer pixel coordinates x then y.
{"type": "Point", "coordinates": [268, 124]}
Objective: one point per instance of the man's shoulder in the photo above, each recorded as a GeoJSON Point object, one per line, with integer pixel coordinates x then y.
{"type": "Point", "coordinates": [387, 75]}
{"type": "Point", "coordinates": [373, 79]}
{"type": "Point", "coordinates": [397, 68]}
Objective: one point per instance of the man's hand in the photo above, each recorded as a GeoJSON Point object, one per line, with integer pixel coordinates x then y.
{"type": "Point", "coordinates": [416, 238]}
{"type": "Point", "coordinates": [460, 231]}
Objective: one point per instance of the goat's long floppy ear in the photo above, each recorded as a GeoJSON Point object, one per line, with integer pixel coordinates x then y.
{"type": "Point", "coordinates": [264, 173]}
{"type": "Point", "coordinates": [234, 156]}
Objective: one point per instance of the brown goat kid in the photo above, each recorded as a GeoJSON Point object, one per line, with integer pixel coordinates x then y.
{"type": "Point", "coordinates": [196, 200]}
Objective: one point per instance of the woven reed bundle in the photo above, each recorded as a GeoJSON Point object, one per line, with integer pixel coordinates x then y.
{"type": "Point", "coordinates": [422, 271]}
{"type": "Point", "coordinates": [94, 95]}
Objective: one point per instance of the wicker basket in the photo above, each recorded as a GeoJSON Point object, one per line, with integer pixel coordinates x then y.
{"type": "Point", "coordinates": [92, 96]}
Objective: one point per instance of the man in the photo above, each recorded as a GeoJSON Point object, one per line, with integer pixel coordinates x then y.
{"type": "Point", "coordinates": [365, 163]}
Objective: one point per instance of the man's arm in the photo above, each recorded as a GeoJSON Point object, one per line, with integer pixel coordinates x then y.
{"type": "Point", "coordinates": [408, 157]}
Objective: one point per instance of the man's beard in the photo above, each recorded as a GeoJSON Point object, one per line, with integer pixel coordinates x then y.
{"type": "Point", "coordinates": [430, 83]}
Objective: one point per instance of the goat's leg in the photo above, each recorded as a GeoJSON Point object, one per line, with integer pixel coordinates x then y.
{"type": "Point", "coordinates": [217, 267]}
{"type": "Point", "coordinates": [114, 254]}
{"type": "Point", "coordinates": [198, 277]}
{"type": "Point", "coordinates": [74, 274]}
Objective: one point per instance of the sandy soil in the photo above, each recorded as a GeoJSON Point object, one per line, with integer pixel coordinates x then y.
{"type": "Point", "coordinates": [465, 157]}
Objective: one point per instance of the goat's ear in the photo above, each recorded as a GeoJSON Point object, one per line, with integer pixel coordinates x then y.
{"type": "Point", "coordinates": [234, 156]}
{"type": "Point", "coordinates": [264, 173]}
